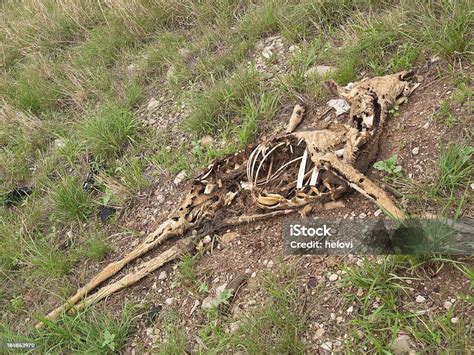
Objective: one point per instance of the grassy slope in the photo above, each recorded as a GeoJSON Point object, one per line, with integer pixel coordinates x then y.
{"type": "Point", "coordinates": [70, 102]}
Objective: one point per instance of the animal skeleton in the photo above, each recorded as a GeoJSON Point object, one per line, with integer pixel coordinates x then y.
{"type": "Point", "coordinates": [282, 175]}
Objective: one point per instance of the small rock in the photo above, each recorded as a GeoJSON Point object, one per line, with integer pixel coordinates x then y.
{"type": "Point", "coordinates": [332, 316]}
{"type": "Point", "coordinates": [375, 305]}
{"type": "Point", "coordinates": [472, 186]}
{"type": "Point", "coordinates": [319, 69]}
{"type": "Point", "coordinates": [350, 309]}
{"type": "Point", "coordinates": [134, 242]}
{"type": "Point", "coordinates": [401, 345]}
{"type": "Point", "coordinates": [270, 264]}
{"type": "Point", "coordinates": [252, 302]}
{"type": "Point", "coordinates": [234, 327]}
{"type": "Point", "coordinates": [208, 303]}
{"type": "Point", "coordinates": [169, 301]}
{"type": "Point", "coordinates": [179, 178]}
{"type": "Point", "coordinates": [415, 151]}
{"type": "Point", "coordinates": [59, 143]}
{"type": "Point", "coordinates": [160, 198]}
{"type": "Point", "coordinates": [207, 239]}
{"type": "Point", "coordinates": [162, 275]}
{"type": "Point", "coordinates": [362, 215]}
{"type": "Point", "coordinates": [378, 212]}
{"type": "Point", "coordinates": [326, 346]}
{"type": "Point", "coordinates": [196, 304]}
{"type": "Point", "coordinates": [206, 140]}
{"type": "Point", "coordinates": [254, 274]}
{"type": "Point", "coordinates": [333, 277]}
{"type": "Point", "coordinates": [220, 289]}
{"type": "Point", "coordinates": [170, 73]}
{"type": "Point", "coordinates": [420, 299]}
{"type": "Point", "coordinates": [339, 319]}
{"type": "Point", "coordinates": [292, 48]}
{"type": "Point", "coordinates": [426, 125]}
{"type": "Point", "coordinates": [319, 333]}
{"type": "Point", "coordinates": [228, 237]}
{"type": "Point", "coordinates": [267, 53]}
{"type": "Point", "coordinates": [454, 320]}
{"type": "Point", "coordinates": [447, 305]}
{"type": "Point", "coordinates": [152, 105]}
{"type": "Point", "coordinates": [360, 292]}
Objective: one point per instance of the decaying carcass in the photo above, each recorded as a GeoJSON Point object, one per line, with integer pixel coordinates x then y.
{"type": "Point", "coordinates": [278, 176]}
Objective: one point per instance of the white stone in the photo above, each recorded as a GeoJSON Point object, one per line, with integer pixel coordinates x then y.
{"type": "Point", "coordinates": [401, 345]}
{"type": "Point", "coordinates": [162, 275]}
{"type": "Point", "coordinates": [326, 346]}
{"type": "Point", "coordinates": [420, 299]}
{"type": "Point", "coordinates": [360, 292]}
{"type": "Point", "coordinates": [454, 320]}
{"type": "Point", "coordinates": [319, 333]}
{"type": "Point", "coordinates": [179, 178]}
{"type": "Point", "coordinates": [378, 212]}
{"type": "Point", "coordinates": [362, 215]}
{"type": "Point", "coordinates": [267, 53]}
{"type": "Point", "coordinates": [152, 105]}
{"type": "Point", "coordinates": [169, 301]}
{"type": "Point", "coordinates": [270, 264]}
{"type": "Point", "coordinates": [447, 305]}
{"type": "Point", "coordinates": [415, 151]}
{"type": "Point", "coordinates": [207, 239]}
{"type": "Point", "coordinates": [350, 309]}
{"type": "Point", "coordinates": [333, 277]}
{"type": "Point", "coordinates": [333, 316]}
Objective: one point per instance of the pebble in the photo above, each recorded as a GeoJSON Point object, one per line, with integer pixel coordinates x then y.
{"type": "Point", "coordinates": [454, 320]}
{"type": "Point", "coordinates": [179, 178]}
{"type": "Point", "coordinates": [162, 275]}
{"type": "Point", "coordinates": [326, 346]}
{"type": "Point", "coordinates": [253, 274]}
{"type": "Point", "coordinates": [333, 277]}
{"type": "Point", "coordinates": [207, 239]}
{"type": "Point", "coordinates": [420, 299]}
{"type": "Point", "coordinates": [360, 292]}
{"type": "Point", "coordinates": [447, 305]}
{"type": "Point", "coordinates": [233, 327]}
{"type": "Point", "coordinates": [207, 302]}
{"type": "Point", "coordinates": [251, 302]}
{"type": "Point", "coordinates": [292, 48]}
{"type": "Point", "coordinates": [401, 345]}
{"type": "Point", "coordinates": [378, 212]}
{"type": "Point", "coordinates": [333, 316]}
{"type": "Point", "coordinates": [153, 104]}
{"type": "Point", "coordinates": [319, 333]}
{"type": "Point", "coordinates": [267, 53]}
{"type": "Point", "coordinates": [206, 140]}
{"type": "Point", "coordinates": [362, 215]}
{"type": "Point", "coordinates": [415, 151]}
{"type": "Point", "coordinates": [350, 309]}
{"type": "Point", "coordinates": [270, 264]}
{"type": "Point", "coordinates": [169, 301]}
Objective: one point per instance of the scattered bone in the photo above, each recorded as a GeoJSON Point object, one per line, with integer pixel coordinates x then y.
{"type": "Point", "coordinates": [296, 118]}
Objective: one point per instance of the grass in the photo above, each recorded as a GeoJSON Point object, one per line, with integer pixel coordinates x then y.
{"type": "Point", "coordinates": [275, 324]}
{"type": "Point", "coordinates": [71, 202]}
{"type": "Point", "coordinates": [376, 328]}
{"type": "Point", "coordinates": [455, 170]}
{"type": "Point", "coordinates": [176, 339]}
{"type": "Point", "coordinates": [88, 331]}
{"type": "Point", "coordinates": [107, 133]}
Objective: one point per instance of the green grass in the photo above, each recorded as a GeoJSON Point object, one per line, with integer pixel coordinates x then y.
{"type": "Point", "coordinates": [108, 132]}
{"type": "Point", "coordinates": [275, 324]}
{"type": "Point", "coordinates": [176, 340]}
{"type": "Point", "coordinates": [88, 332]}
{"type": "Point", "coordinates": [70, 201]}
{"type": "Point", "coordinates": [455, 170]}
{"type": "Point", "coordinates": [375, 329]}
